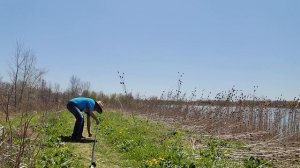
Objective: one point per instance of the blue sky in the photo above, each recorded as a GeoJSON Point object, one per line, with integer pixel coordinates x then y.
{"type": "Point", "coordinates": [215, 43]}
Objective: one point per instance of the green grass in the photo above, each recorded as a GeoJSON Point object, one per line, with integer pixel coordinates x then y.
{"type": "Point", "coordinates": [43, 148]}
{"type": "Point", "coordinates": [54, 152]}
{"type": "Point", "coordinates": [127, 141]}
{"type": "Point", "coordinates": [145, 143]}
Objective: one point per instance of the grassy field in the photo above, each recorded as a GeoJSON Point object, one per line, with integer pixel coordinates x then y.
{"type": "Point", "coordinates": [127, 141]}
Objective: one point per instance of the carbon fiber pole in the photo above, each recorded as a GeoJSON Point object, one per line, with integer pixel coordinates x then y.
{"type": "Point", "coordinates": [93, 161]}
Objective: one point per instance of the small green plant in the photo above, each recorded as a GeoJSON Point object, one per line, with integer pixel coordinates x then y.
{"type": "Point", "coordinates": [54, 152]}
{"type": "Point", "coordinates": [255, 163]}
{"type": "Point", "coordinates": [61, 156]}
{"type": "Point", "coordinates": [213, 153]}
{"type": "Point", "coordinates": [161, 162]}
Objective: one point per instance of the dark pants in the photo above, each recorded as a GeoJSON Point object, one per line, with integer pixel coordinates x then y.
{"type": "Point", "coordinates": [78, 127]}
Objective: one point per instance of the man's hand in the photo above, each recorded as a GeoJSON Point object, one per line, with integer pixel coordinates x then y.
{"type": "Point", "coordinates": [97, 121]}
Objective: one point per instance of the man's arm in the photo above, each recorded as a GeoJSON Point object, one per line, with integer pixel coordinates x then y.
{"type": "Point", "coordinates": [92, 114]}
{"type": "Point", "coordinates": [88, 124]}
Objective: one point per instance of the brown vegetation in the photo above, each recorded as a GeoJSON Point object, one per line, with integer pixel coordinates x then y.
{"type": "Point", "coordinates": [228, 113]}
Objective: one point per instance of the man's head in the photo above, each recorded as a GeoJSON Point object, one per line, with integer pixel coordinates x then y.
{"type": "Point", "coordinates": [99, 106]}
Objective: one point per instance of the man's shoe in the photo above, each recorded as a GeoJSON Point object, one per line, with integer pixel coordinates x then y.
{"type": "Point", "coordinates": [75, 139]}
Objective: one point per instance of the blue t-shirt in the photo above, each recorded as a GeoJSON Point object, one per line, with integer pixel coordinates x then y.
{"type": "Point", "coordinates": [84, 104]}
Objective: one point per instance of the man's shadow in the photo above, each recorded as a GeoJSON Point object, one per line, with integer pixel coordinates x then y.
{"type": "Point", "coordinates": [69, 139]}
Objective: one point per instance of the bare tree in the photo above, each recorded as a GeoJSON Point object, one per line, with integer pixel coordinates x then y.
{"type": "Point", "coordinates": [5, 97]}
{"type": "Point", "coordinates": [43, 96]}
{"type": "Point", "coordinates": [75, 86]}
{"type": "Point", "coordinates": [3, 88]}
{"type": "Point", "coordinates": [86, 89]}
{"type": "Point", "coordinates": [15, 71]}
{"type": "Point", "coordinates": [20, 94]}
{"type": "Point", "coordinates": [56, 93]}
{"type": "Point", "coordinates": [24, 74]}
{"type": "Point", "coordinates": [86, 85]}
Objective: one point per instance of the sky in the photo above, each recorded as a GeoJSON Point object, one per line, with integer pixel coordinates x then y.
{"type": "Point", "coordinates": [217, 44]}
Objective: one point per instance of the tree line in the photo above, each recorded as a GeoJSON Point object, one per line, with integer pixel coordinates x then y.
{"type": "Point", "coordinates": [27, 90]}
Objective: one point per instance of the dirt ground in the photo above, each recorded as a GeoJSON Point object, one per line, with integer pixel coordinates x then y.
{"type": "Point", "coordinates": [283, 152]}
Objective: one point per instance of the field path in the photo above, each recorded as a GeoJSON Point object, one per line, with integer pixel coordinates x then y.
{"type": "Point", "coordinates": [105, 155]}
